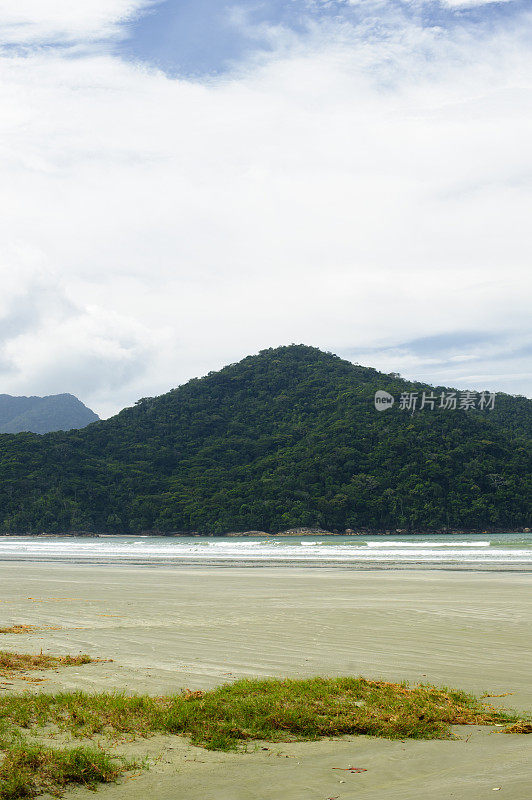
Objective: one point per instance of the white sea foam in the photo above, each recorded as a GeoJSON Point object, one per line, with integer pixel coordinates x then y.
{"type": "Point", "coordinates": [499, 551]}
{"type": "Point", "coordinates": [427, 544]}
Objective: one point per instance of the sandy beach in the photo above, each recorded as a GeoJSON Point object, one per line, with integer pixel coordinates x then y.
{"type": "Point", "coordinates": [171, 628]}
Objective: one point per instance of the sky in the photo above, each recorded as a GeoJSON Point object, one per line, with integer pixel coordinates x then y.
{"type": "Point", "coordinates": [184, 183]}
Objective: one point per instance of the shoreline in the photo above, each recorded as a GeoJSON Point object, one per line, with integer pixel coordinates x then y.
{"type": "Point", "coordinates": [228, 564]}
{"type": "Point", "coordinates": [508, 552]}
{"type": "Point", "coordinates": [266, 535]}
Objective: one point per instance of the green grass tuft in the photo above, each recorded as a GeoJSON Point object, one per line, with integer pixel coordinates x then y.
{"type": "Point", "coordinates": [30, 769]}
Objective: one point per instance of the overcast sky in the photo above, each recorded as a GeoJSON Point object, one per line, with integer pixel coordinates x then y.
{"type": "Point", "coordinates": [184, 183]}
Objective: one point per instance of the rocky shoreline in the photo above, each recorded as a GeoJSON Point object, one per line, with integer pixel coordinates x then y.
{"type": "Point", "coordinates": [298, 532]}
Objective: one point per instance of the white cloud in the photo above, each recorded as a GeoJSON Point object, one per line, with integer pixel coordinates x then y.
{"type": "Point", "coordinates": [450, 3]}
{"type": "Point", "coordinates": [479, 361]}
{"type": "Point", "coordinates": [346, 192]}
{"type": "Point", "coordinates": [95, 351]}
{"type": "Point", "coordinates": [23, 21]}
{"type": "Point", "coordinates": [471, 3]}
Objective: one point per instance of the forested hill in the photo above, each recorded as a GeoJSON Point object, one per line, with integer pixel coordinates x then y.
{"type": "Point", "coordinates": [286, 438]}
{"type": "Point", "coordinates": [56, 412]}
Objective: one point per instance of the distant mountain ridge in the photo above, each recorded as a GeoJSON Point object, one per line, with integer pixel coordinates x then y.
{"type": "Point", "coordinates": [284, 439]}
{"type": "Point", "coordinates": [55, 412]}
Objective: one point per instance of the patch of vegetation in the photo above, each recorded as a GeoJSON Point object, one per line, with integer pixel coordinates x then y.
{"type": "Point", "coordinates": [19, 629]}
{"type": "Point", "coordinates": [222, 719]}
{"type": "Point", "coordinates": [22, 662]}
{"type": "Point", "coordinates": [519, 727]}
{"type": "Point", "coordinates": [28, 769]}
{"type": "Point", "coordinates": [273, 710]}
{"type": "Point", "coordinates": [287, 438]}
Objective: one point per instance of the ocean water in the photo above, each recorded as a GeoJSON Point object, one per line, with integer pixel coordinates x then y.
{"type": "Point", "coordinates": [475, 551]}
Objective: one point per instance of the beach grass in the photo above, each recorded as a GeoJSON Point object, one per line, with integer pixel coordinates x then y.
{"type": "Point", "coordinates": [29, 769]}
{"type": "Point", "coordinates": [12, 663]}
{"type": "Point", "coordinates": [273, 710]}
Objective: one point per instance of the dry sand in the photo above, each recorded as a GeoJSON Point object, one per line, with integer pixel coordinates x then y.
{"type": "Point", "coordinates": [171, 628]}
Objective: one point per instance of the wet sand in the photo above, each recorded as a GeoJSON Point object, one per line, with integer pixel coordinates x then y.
{"type": "Point", "coordinates": [171, 628]}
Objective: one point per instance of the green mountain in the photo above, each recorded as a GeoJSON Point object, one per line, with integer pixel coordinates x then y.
{"type": "Point", "coordinates": [57, 412]}
{"type": "Point", "coordinates": [285, 438]}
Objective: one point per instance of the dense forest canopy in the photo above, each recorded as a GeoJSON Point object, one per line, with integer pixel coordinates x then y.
{"type": "Point", "coordinates": [285, 438]}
